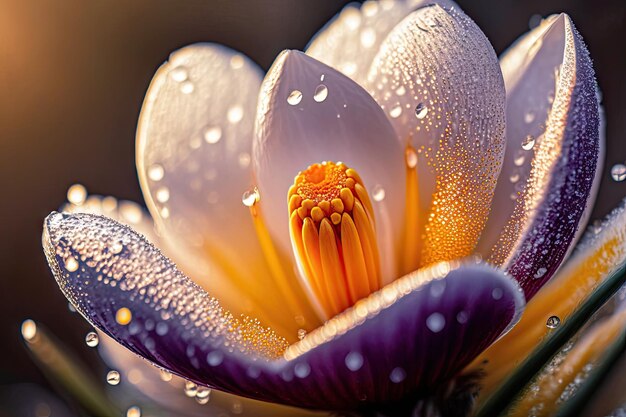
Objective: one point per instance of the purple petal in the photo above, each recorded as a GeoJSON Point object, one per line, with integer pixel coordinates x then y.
{"type": "Point", "coordinates": [415, 333]}
{"type": "Point", "coordinates": [557, 186]}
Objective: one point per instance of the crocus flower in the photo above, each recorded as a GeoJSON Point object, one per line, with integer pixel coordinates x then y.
{"type": "Point", "coordinates": [436, 191]}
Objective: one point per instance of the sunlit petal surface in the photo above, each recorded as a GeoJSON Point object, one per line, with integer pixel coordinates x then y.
{"type": "Point", "coordinates": [552, 153]}
{"type": "Point", "coordinates": [194, 145]}
{"type": "Point", "coordinates": [416, 332]}
{"type": "Point", "coordinates": [602, 251]}
{"type": "Point", "coordinates": [438, 79]}
{"type": "Point", "coordinates": [310, 113]}
{"type": "Point", "coordinates": [351, 39]}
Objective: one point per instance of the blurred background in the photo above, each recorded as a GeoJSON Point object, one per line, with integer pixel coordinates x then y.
{"type": "Point", "coordinates": [73, 75]}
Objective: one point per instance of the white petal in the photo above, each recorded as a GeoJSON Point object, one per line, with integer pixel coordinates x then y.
{"type": "Point", "coordinates": [194, 145]}
{"type": "Point", "coordinates": [439, 81]}
{"type": "Point", "coordinates": [347, 126]}
{"type": "Point", "coordinates": [351, 39]}
{"type": "Point", "coordinates": [528, 68]}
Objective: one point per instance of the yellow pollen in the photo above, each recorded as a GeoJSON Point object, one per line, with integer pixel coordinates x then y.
{"type": "Point", "coordinates": [332, 227]}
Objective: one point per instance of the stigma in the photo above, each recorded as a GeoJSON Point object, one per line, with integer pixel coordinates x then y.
{"type": "Point", "coordinates": [332, 228]}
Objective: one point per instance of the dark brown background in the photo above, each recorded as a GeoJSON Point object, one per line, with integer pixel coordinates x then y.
{"type": "Point", "coordinates": [73, 74]}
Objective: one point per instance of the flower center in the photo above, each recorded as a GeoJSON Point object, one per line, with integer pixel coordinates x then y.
{"type": "Point", "coordinates": [333, 235]}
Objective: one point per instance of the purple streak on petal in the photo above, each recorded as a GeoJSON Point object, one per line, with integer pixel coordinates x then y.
{"type": "Point", "coordinates": [554, 223]}
{"type": "Point", "coordinates": [402, 340]}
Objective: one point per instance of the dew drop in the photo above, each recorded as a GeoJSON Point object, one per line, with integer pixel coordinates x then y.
{"type": "Point", "coordinates": [397, 375]}
{"type": "Point", "coordinates": [165, 376]}
{"type": "Point", "coordinates": [514, 178]}
{"type": "Point", "coordinates": [411, 158]}
{"type": "Point", "coordinates": [235, 114]}
{"type": "Point", "coordinates": [321, 92]}
{"type": "Point", "coordinates": [215, 358]}
{"type": "Point", "coordinates": [156, 172]}
{"type": "Point", "coordinates": [528, 143]}
{"type": "Point", "coordinates": [113, 378]}
{"type": "Point", "coordinates": [378, 193]}
{"type": "Point", "coordinates": [400, 91]}
{"type": "Point", "coordinates": [250, 197]}
{"type": "Point", "coordinates": [203, 392]}
{"type": "Point", "coordinates": [354, 361]}
{"type": "Point", "coordinates": [301, 334]}
{"type": "Point", "coordinates": [91, 339]}
{"type": "Point", "coordinates": [236, 62]}
{"type": "Point", "coordinates": [191, 389]}
{"type": "Point", "coordinates": [519, 160]}
{"type": "Point", "coordinates": [29, 330]}
{"type": "Point", "coordinates": [553, 322]}
{"type": "Point", "coordinates": [116, 247]}
{"type": "Point", "coordinates": [202, 401]}
{"type": "Point", "coordinates": [187, 87]}
{"type": "Point", "coordinates": [77, 194]}
{"type": "Point", "coordinates": [497, 293]}
{"type": "Point", "coordinates": [133, 411]}
{"type": "Point", "coordinates": [163, 194]}
{"type": "Point", "coordinates": [421, 111]}
{"type": "Point", "coordinates": [123, 316]}
{"type": "Point", "coordinates": [368, 37]}
{"type": "Point", "coordinates": [529, 117]}
{"type": "Point", "coordinates": [212, 134]}
{"type": "Point", "coordinates": [179, 74]}
{"type": "Point", "coordinates": [618, 172]}
{"type": "Point", "coordinates": [71, 264]}
{"type": "Point", "coordinates": [302, 370]}
{"type": "Point", "coordinates": [395, 111]}
{"type": "Point", "coordinates": [295, 97]}
{"type": "Point", "coordinates": [436, 322]}
{"type": "Point", "coordinates": [540, 273]}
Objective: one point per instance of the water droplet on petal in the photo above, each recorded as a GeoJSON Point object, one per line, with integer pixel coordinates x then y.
{"type": "Point", "coordinates": [244, 160]}
{"type": "Point", "coordinates": [215, 358]}
{"type": "Point", "coordinates": [187, 87]}
{"type": "Point", "coordinates": [368, 37]}
{"type": "Point", "coordinates": [540, 273]}
{"type": "Point", "coordinates": [203, 392]}
{"type": "Point", "coordinates": [212, 134]}
{"type": "Point", "coordinates": [395, 111]}
{"type": "Point", "coordinates": [91, 339]}
{"type": "Point", "coordinates": [302, 370]}
{"type": "Point", "coordinates": [163, 195]}
{"type": "Point", "coordinates": [436, 322]}
{"type": "Point", "coordinates": [29, 330]}
{"type": "Point", "coordinates": [400, 91]}
{"type": "Point", "coordinates": [116, 247]}
{"type": "Point", "coordinates": [397, 375]}
{"type": "Point", "coordinates": [113, 378]}
{"type": "Point", "coordinates": [411, 158]}
{"type": "Point", "coordinates": [236, 62]}
{"type": "Point", "coordinates": [179, 74]}
{"type": "Point", "coordinates": [519, 160]}
{"type": "Point", "coordinates": [165, 375]}
{"type": "Point", "coordinates": [528, 143]}
{"type": "Point", "coordinates": [235, 114]}
{"type": "Point", "coordinates": [514, 178]}
{"type": "Point", "coordinates": [618, 172]}
{"type": "Point", "coordinates": [191, 389]}
{"type": "Point", "coordinates": [354, 361]}
{"type": "Point", "coordinates": [553, 322]}
{"type": "Point", "coordinates": [321, 92]}
{"type": "Point", "coordinates": [77, 194]}
{"type": "Point", "coordinates": [71, 264]}
{"type": "Point", "coordinates": [421, 111]}
{"type": "Point", "coordinates": [529, 117]}
{"type": "Point", "coordinates": [123, 316]}
{"type": "Point", "coordinates": [133, 411]}
{"type": "Point", "coordinates": [497, 293]}
{"type": "Point", "coordinates": [156, 172]}
{"type": "Point", "coordinates": [295, 97]}
{"type": "Point", "coordinates": [250, 197]}
{"type": "Point", "coordinates": [378, 193]}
